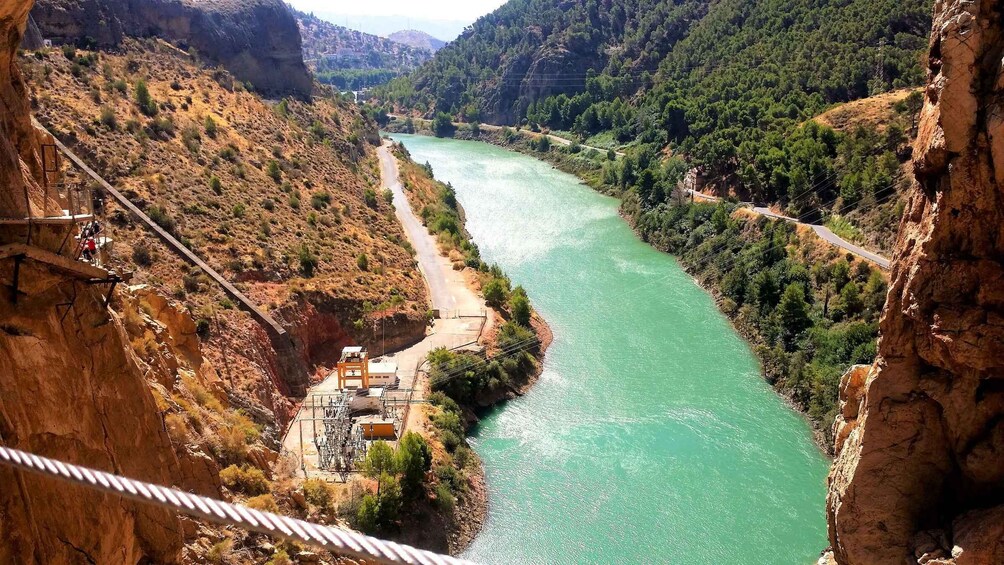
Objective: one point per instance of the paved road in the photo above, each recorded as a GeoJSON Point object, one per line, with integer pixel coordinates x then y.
{"type": "Point", "coordinates": [449, 290]}
{"type": "Point", "coordinates": [822, 231]}
{"type": "Point", "coordinates": [425, 247]}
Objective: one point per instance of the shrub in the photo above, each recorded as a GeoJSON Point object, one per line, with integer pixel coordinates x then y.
{"type": "Point", "coordinates": [229, 153]}
{"type": "Point", "coordinates": [362, 262]}
{"type": "Point", "coordinates": [268, 204]}
{"type": "Point", "coordinates": [320, 200]}
{"type": "Point", "coordinates": [274, 172]}
{"type": "Point", "coordinates": [202, 327]}
{"type": "Point", "coordinates": [496, 292]}
{"type": "Point", "coordinates": [463, 457]}
{"type": "Point", "coordinates": [370, 196]}
{"type": "Point", "coordinates": [388, 196]}
{"type": "Point", "coordinates": [147, 105]}
{"type": "Point", "coordinates": [231, 444]}
{"type": "Point", "coordinates": [176, 428]}
{"type": "Point", "coordinates": [141, 255]}
{"type": "Point", "coordinates": [192, 139]}
{"type": "Point", "coordinates": [69, 51]}
{"type": "Point", "coordinates": [248, 480]}
{"type": "Point", "coordinates": [445, 500]}
{"type": "Point", "coordinates": [162, 127]}
{"type": "Point", "coordinates": [368, 516]}
{"type": "Point", "coordinates": [239, 210]}
{"type": "Point", "coordinates": [264, 503]}
{"type": "Point", "coordinates": [108, 118]}
{"type": "Point", "coordinates": [318, 493]}
{"type": "Point", "coordinates": [220, 550]}
{"type": "Point", "coordinates": [308, 261]}
{"type": "Point", "coordinates": [519, 306]}
{"type": "Point", "coordinates": [280, 558]}
{"type": "Point", "coordinates": [211, 127]}
{"type": "Point", "coordinates": [216, 185]}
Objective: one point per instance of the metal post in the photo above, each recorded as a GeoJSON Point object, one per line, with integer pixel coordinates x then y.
{"type": "Point", "coordinates": [17, 276]}
{"type": "Point", "coordinates": [303, 461]}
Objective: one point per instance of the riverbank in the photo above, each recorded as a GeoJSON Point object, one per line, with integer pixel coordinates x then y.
{"type": "Point", "coordinates": [808, 387]}
{"type": "Point", "coordinates": [450, 264]}
{"type": "Point", "coordinates": [647, 396]}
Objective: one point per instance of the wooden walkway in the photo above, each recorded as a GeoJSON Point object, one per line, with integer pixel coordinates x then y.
{"type": "Point", "coordinates": [272, 326]}
{"type": "Point", "coordinates": [66, 265]}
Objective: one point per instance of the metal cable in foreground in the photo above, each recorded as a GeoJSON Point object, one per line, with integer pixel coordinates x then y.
{"type": "Point", "coordinates": [342, 542]}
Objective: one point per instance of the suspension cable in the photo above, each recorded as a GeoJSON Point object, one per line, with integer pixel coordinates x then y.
{"type": "Point", "coordinates": [340, 541]}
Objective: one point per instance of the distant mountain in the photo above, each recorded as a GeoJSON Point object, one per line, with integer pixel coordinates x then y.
{"type": "Point", "coordinates": [386, 25]}
{"type": "Point", "coordinates": [417, 39]}
{"type": "Point", "coordinates": [353, 60]}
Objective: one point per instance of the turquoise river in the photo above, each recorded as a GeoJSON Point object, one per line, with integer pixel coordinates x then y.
{"type": "Point", "coordinates": [650, 437]}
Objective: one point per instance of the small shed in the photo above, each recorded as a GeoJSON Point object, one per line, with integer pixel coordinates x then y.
{"type": "Point", "coordinates": [383, 372]}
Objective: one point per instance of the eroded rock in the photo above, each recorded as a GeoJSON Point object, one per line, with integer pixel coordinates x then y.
{"type": "Point", "coordinates": [256, 40]}
{"type": "Point", "coordinates": [926, 448]}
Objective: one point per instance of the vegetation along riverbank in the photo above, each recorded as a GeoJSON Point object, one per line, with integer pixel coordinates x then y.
{"type": "Point", "coordinates": [463, 383]}
{"type": "Point", "coordinates": [808, 309]}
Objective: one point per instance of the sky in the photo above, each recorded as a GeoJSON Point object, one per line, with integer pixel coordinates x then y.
{"type": "Point", "coordinates": [465, 10]}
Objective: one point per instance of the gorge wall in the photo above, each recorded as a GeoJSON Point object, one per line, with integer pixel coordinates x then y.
{"type": "Point", "coordinates": [256, 40]}
{"type": "Point", "coordinates": [919, 475]}
{"type": "Point", "coordinates": [70, 386]}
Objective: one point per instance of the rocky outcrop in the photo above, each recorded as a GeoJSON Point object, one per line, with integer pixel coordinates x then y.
{"type": "Point", "coordinates": [323, 325]}
{"type": "Point", "coordinates": [71, 387]}
{"type": "Point", "coordinates": [258, 41]}
{"type": "Point", "coordinates": [20, 161]}
{"type": "Point", "coordinates": [919, 475]}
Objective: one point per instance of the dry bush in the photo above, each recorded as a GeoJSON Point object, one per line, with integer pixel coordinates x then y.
{"type": "Point", "coordinates": [319, 494]}
{"type": "Point", "coordinates": [246, 479]}
{"type": "Point", "coordinates": [230, 444]}
{"type": "Point", "coordinates": [220, 550]}
{"type": "Point", "coordinates": [202, 396]}
{"type": "Point", "coordinates": [177, 428]}
{"type": "Point", "coordinates": [265, 503]}
{"type": "Point", "coordinates": [240, 421]}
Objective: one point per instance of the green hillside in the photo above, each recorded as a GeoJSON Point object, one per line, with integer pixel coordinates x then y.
{"type": "Point", "coordinates": [724, 84]}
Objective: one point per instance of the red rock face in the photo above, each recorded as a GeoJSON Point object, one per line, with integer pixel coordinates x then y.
{"type": "Point", "coordinates": [70, 385]}
{"type": "Point", "coordinates": [920, 465]}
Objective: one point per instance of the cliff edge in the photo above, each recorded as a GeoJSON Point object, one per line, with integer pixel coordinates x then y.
{"type": "Point", "coordinates": [69, 385]}
{"type": "Point", "coordinates": [919, 475]}
{"type": "Point", "coordinates": [258, 41]}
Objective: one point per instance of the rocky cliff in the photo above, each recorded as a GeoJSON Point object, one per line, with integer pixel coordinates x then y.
{"type": "Point", "coordinates": [256, 40]}
{"type": "Point", "coordinates": [70, 386]}
{"type": "Point", "coordinates": [919, 475]}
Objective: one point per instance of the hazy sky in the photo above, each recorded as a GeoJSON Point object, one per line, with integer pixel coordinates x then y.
{"type": "Point", "coordinates": [468, 10]}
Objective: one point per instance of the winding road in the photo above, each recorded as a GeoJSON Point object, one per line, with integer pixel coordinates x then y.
{"type": "Point", "coordinates": [426, 252]}
{"type": "Point", "coordinates": [464, 318]}
{"type": "Point", "coordinates": [822, 231]}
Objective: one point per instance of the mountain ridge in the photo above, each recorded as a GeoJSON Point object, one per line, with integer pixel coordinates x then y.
{"type": "Point", "coordinates": [417, 39]}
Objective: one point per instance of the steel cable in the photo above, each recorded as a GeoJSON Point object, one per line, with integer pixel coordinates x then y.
{"type": "Point", "coordinates": [340, 541]}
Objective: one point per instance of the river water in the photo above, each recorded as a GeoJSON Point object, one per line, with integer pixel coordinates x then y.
{"type": "Point", "coordinates": [650, 437]}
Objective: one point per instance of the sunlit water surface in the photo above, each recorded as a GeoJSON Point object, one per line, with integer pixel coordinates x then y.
{"type": "Point", "coordinates": [650, 437]}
